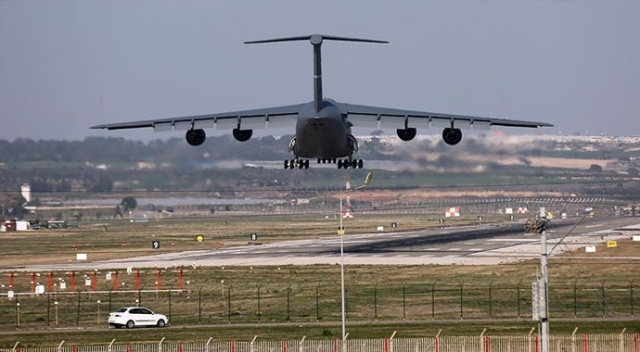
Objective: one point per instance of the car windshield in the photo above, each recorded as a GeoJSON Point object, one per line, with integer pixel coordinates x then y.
{"type": "Point", "coordinates": [121, 310]}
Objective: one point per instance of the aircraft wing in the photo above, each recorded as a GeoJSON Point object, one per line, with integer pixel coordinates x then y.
{"type": "Point", "coordinates": [279, 116]}
{"type": "Point", "coordinates": [377, 117]}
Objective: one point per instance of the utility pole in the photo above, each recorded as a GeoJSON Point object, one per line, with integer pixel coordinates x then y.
{"type": "Point", "coordinates": [544, 294]}
{"type": "Point", "coordinates": [540, 290]}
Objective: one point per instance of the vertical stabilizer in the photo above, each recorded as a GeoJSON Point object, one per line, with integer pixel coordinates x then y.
{"type": "Point", "coordinates": [316, 40]}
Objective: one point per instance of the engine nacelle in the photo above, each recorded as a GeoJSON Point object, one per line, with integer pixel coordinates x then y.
{"type": "Point", "coordinates": [242, 135]}
{"type": "Point", "coordinates": [196, 137]}
{"type": "Point", "coordinates": [406, 134]}
{"type": "Point", "coordinates": [452, 136]}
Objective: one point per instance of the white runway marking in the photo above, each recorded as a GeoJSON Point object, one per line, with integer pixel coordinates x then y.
{"type": "Point", "coordinates": [592, 226]}
{"type": "Point", "coordinates": [510, 240]}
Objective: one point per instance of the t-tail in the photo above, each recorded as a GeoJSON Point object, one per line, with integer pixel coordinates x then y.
{"type": "Point", "coordinates": [316, 41]}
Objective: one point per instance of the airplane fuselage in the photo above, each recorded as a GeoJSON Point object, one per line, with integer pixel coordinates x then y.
{"type": "Point", "coordinates": [322, 134]}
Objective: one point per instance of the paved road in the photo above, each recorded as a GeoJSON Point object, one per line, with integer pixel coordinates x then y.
{"type": "Point", "coordinates": [474, 245]}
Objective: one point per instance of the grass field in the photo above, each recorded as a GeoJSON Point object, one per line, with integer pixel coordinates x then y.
{"type": "Point", "coordinates": [294, 301]}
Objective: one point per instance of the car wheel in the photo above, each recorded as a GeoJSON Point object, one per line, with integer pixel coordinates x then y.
{"type": "Point", "coordinates": [130, 324]}
{"type": "Point", "coordinates": [161, 323]}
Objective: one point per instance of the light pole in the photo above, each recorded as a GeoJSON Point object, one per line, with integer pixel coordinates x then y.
{"type": "Point", "coordinates": [341, 232]}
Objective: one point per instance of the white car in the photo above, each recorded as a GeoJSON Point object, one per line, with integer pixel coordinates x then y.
{"type": "Point", "coordinates": [131, 317]}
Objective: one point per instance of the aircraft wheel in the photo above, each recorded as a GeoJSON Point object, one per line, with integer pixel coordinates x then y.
{"type": "Point", "coordinates": [340, 164]}
{"type": "Point", "coordinates": [360, 164]}
{"type": "Point", "coordinates": [292, 164]}
{"type": "Point", "coordinates": [286, 164]}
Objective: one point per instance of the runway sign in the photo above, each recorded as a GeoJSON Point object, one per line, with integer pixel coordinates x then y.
{"type": "Point", "coordinates": [636, 238]}
{"type": "Point", "coordinates": [612, 244]}
{"type": "Point", "coordinates": [81, 256]}
{"type": "Point", "coordinates": [590, 249]}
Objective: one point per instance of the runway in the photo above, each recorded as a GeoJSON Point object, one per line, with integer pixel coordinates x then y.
{"type": "Point", "coordinates": [472, 245]}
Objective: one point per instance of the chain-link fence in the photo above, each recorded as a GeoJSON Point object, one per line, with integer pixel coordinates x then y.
{"type": "Point", "coordinates": [240, 303]}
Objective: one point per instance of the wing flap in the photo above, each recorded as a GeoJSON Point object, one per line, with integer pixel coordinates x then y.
{"type": "Point", "coordinates": [282, 121]}
{"type": "Point", "coordinates": [364, 120]}
{"type": "Point", "coordinates": [390, 117]}
{"type": "Point", "coordinates": [255, 118]}
{"type": "Point", "coordinates": [163, 127]}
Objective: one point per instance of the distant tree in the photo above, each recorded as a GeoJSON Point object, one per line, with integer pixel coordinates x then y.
{"type": "Point", "coordinates": [524, 160]}
{"type": "Point", "coordinates": [128, 203]}
{"type": "Point", "coordinates": [595, 168]}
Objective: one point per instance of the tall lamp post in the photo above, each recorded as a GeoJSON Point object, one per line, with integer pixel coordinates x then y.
{"type": "Point", "coordinates": [367, 181]}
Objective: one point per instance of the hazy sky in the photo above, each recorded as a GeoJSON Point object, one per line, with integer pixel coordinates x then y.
{"type": "Point", "coordinates": [68, 65]}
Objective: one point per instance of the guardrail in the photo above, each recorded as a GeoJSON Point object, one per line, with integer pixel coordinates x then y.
{"type": "Point", "coordinates": [622, 342]}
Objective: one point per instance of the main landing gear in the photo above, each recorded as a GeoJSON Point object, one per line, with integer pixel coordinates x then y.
{"type": "Point", "coordinates": [342, 163]}
{"type": "Point", "coordinates": [346, 164]}
{"type": "Point", "coordinates": [296, 164]}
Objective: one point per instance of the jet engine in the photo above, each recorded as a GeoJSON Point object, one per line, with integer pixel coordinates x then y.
{"type": "Point", "coordinates": [452, 136]}
{"type": "Point", "coordinates": [196, 137]}
{"type": "Point", "coordinates": [406, 134]}
{"type": "Point", "coordinates": [242, 135]}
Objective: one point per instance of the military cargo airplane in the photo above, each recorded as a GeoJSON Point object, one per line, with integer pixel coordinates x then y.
{"type": "Point", "coordinates": [323, 126]}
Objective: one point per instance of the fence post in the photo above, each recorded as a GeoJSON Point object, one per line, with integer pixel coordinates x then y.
{"type": "Point", "coordinates": [433, 300]}
{"type": "Point", "coordinates": [229, 304]}
{"type": "Point", "coordinates": [300, 344]}
{"type": "Point", "coordinates": [252, 342]}
{"type": "Point", "coordinates": [259, 313]}
{"type": "Point", "coordinates": [200, 306]}
{"type": "Point", "coordinates": [518, 298]}
{"type": "Point", "coordinates": [437, 340]}
{"type": "Point", "coordinates": [60, 346]}
{"type": "Point", "coordinates": [317, 302]}
{"type": "Point", "coordinates": [375, 302]}
{"type": "Point", "coordinates": [160, 344]}
{"type": "Point", "coordinates": [404, 301]}
{"type": "Point", "coordinates": [575, 298]}
{"type": "Point", "coordinates": [604, 300]}
{"type": "Point", "coordinates": [170, 317]}
{"type": "Point", "coordinates": [529, 340]}
{"type": "Point", "coordinates": [391, 349]}
{"type": "Point", "coordinates": [573, 340]}
{"type": "Point", "coordinates": [49, 309]}
{"type": "Point", "coordinates": [631, 296]}
{"type": "Point", "coordinates": [111, 345]}
{"type": "Point", "coordinates": [461, 301]}
{"type": "Point", "coordinates": [18, 342]}
{"type": "Point", "coordinates": [78, 309]}
{"type": "Point", "coordinates": [288, 301]}
{"type": "Point", "coordinates": [490, 299]}
{"type": "Point", "coordinates": [481, 341]}
{"type": "Point", "coordinates": [622, 339]}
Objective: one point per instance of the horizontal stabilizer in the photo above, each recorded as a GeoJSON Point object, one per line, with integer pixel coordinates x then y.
{"type": "Point", "coordinates": [317, 39]}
